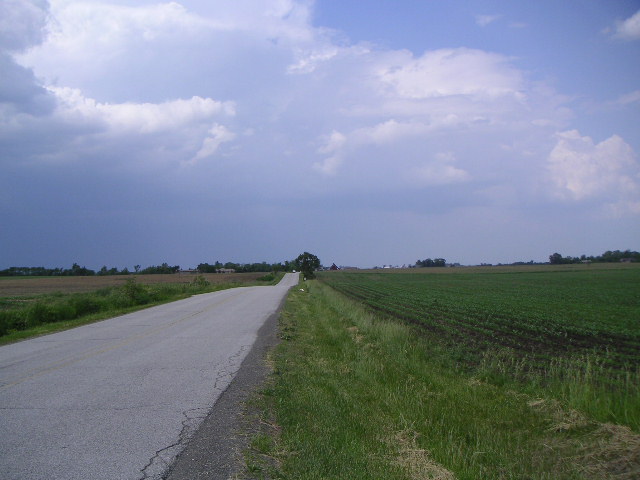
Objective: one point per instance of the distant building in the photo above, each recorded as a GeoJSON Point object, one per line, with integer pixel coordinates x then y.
{"type": "Point", "coordinates": [334, 267]}
{"type": "Point", "coordinates": [226, 270]}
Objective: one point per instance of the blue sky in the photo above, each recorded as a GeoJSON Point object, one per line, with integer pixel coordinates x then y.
{"type": "Point", "coordinates": [249, 130]}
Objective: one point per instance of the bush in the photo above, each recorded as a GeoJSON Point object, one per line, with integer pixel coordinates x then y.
{"type": "Point", "coordinates": [130, 294]}
{"type": "Point", "coordinates": [36, 314]}
{"type": "Point", "coordinates": [200, 282]}
{"type": "Point", "coordinates": [85, 305]}
{"type": "Point", "coordinates": [42, 313]}
{"type": "Point", "coordinates": [270, 277]}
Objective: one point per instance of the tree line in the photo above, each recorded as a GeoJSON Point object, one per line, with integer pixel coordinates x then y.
{"type": "Point", "coordinates": [436, 262]}
{"type": "Point", "coordinates": [246, 267]}
{"type": "Point", "coordinates": [609, 256]}
{"type": "Point", "coordinates": [78, 271]}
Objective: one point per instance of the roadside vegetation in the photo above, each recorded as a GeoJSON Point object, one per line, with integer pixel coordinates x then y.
{"type": "Point", "coordinates": [422, 376]}
{"type": "Point", "coordinates": [26, 315]}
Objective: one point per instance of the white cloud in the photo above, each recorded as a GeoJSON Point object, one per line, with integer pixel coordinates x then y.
{"type": "Point", "coordinates": [333, 145]}
{"type": "Point", "coordinates": [307, 61]}
{"type": "Point", "coordinates": [338, 145]}
{"type": "Point", "coordinates": [98, 35]}
{"type": "Point", "coordinates": [484, 20]}
{"type": "Point", "coordinates": [218, 134]}
{"type": "Point", "coordinates": [451, 72]}
{"type": "Point", "coordinates": [333, 142]}
{"type": "Point", "coordinates": [439, 171]}
{"type": "Point", "coordinates": [607, 171]}
{"type": "Point", "coordinates": [142, 118]}
{"type": "Point", "coordinates": [628, 29]}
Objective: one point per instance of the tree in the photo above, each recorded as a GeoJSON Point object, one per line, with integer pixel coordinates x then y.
{"type": "Point", "coordinates": [206, 268]}
{"type": "Point", "coordinates": [438, 262]}
{"type": "Point", "coordinates": [555, 259]}
{"type": "Point", "coordinates": [307, 263]}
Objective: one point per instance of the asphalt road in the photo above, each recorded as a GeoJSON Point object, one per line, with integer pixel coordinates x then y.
{"type": "Point", "coordinates": [120, 398]}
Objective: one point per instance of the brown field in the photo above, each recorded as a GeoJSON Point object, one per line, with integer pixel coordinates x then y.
{"type": "Point", "coordinates": [25, 286]}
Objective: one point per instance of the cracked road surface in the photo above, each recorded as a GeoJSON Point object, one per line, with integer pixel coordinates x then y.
{"type": "Point", "coordinates": [119, 399]}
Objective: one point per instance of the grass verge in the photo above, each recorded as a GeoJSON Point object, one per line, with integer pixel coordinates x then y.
{"type": "Point", "coordinates": [353, 395]}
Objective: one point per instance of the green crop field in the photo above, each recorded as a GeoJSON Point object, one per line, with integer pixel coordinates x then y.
{"type": "Point", "coordinates": [572, 330]}
{"type": "Point", "coordinates": [540, 313]}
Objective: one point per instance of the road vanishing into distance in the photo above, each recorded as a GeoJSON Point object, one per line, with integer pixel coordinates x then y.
{"type": "Point", "coordinates": [119, 399]}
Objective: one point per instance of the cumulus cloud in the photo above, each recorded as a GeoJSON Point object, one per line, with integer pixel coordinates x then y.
{"type": "Point", "coordinates": [412, 106]}
{"type": "Point", "coordinates": [450, 72]}
{"type": "Point", "coordinates": [628, 29]}
{"type": "Point", "coordinates": [607, 171]}
{"type": "Point", "coordinates": [174, 83]}
{"type": "Point", "coordinates": [142, 118]}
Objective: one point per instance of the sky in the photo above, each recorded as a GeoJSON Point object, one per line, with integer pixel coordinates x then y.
{"type": "Point", "coordinates": [366, 133]}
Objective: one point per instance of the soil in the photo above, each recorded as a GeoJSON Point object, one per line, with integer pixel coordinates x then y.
{"type": "Point", "coordinates": [25, 286]}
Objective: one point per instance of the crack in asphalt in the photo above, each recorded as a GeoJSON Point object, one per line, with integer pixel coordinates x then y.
{"type": "Point", "coordinates": [158, 466]}
{"type": "Point", "coordinates": [163, 457]}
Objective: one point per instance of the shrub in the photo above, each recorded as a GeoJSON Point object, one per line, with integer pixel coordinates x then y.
{"type": "Point", "coordinates": [37, 313]}
{"type": "Point", "coordinates": [270, 277]}
{"type": "Point", "coordinates": [200, 282]}
{"type": "Point", "coordinates": [85, 305]}
{"type": "Point", "coordinates": [130, 294]}
{"type": "Point", "coordinates": [56, 312]}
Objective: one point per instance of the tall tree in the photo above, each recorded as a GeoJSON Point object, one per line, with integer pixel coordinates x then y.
{"type": "Point", "coordinates": [307, 263]}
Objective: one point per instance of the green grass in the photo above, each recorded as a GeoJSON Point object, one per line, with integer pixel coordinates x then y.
{"type": "Point", "coordinates": [356, 395]}
{"type": "Point", "coordinates": [572, 334]}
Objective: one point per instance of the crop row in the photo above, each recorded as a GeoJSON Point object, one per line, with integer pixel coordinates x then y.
{"type": "Point", "coordinates": [537, 314]}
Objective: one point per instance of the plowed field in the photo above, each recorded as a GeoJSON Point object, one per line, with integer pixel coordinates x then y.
{"type": "Point", "coordinates": [25, 286]}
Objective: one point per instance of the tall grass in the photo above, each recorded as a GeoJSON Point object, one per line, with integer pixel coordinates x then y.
{"type": "Point", "coordinates": [583, 382]}
{"type": "Point", "coordinates": [22, 315]}
{"type": "Point", "coordinates": [360, 396]}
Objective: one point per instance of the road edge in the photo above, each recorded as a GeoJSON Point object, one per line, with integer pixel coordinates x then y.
{"type": "Point", "coordinates": [215, 449]}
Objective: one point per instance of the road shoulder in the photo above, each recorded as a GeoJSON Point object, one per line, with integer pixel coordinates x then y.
{"type": "Point", "coordinates": [215, 450]}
